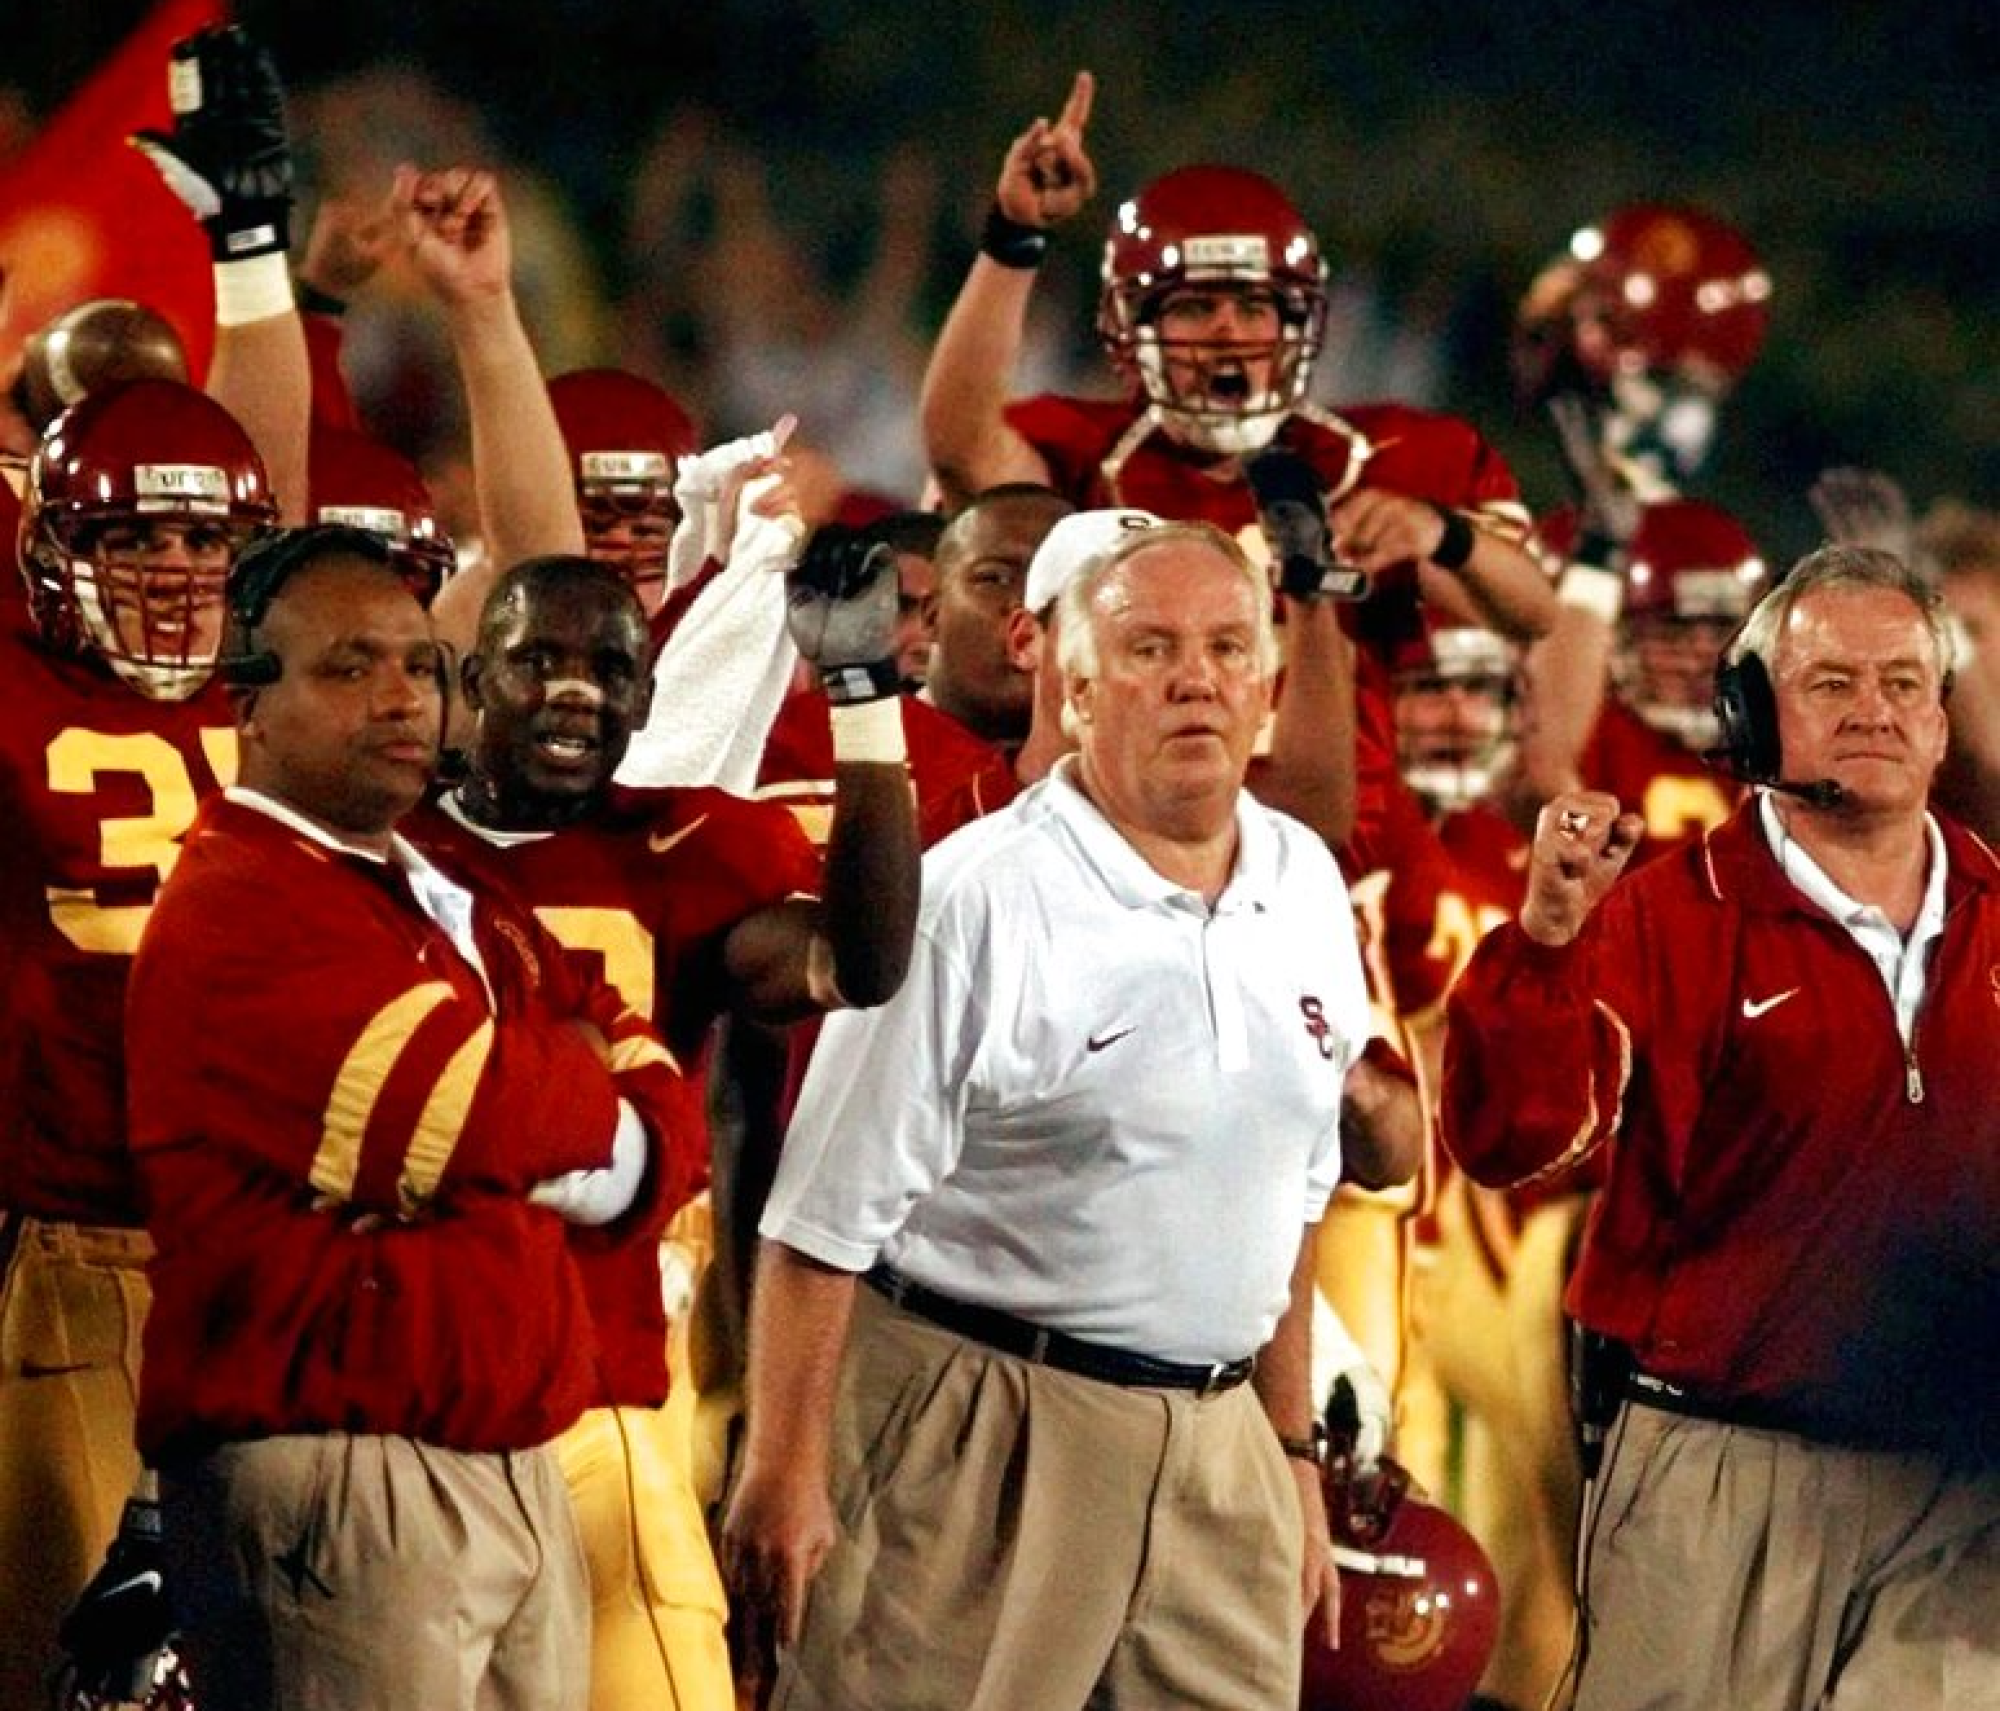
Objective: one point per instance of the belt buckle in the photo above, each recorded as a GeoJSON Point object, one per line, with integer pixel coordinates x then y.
{"type": "Point", "coordinates": [1214, 1383]}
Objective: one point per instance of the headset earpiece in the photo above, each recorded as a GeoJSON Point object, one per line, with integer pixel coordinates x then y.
{"type": "Point", "coordinates": [259, 577]}
{"type": "Point", "coordinates": [1746, 708]}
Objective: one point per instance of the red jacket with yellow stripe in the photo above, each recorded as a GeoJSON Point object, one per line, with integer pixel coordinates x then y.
{"type": "Point", "coordinates": [336, 1121]}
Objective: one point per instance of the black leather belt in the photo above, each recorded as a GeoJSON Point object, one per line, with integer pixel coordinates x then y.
{"type": "Point", "coordinates": [1761, 1415]}
{"type": "Point", "coordinates": [1043, 1347]}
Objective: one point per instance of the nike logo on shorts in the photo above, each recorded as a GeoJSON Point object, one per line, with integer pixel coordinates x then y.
{"type": "Point", "coordinates": [1097, 1042]}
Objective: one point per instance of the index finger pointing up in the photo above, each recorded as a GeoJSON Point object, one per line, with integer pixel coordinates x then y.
{"type": "Point", "coordinates": [1076, 110]}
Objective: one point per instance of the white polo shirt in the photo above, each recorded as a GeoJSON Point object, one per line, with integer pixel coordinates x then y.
{"type": "Point", "coordinates": [1095, 1103]}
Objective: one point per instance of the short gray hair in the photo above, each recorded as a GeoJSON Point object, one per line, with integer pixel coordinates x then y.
{"type": "Point", "coordinates": [1841, 566]}
{"type": "Point", "coordinates": [1076, 638]}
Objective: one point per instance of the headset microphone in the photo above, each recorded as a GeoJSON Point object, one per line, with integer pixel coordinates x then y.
{"type": "Point", "coordinates": [1820, 792]}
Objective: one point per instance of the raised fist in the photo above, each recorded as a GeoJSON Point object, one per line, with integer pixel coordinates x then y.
{"type": "Point", "coordinates": [841, 609]}
{"type": "Point", "coordinates": [227, 157]}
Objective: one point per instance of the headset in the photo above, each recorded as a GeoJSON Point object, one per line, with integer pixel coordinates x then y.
{"type": "Point", "coordinates": [1746, 708]}
{"type": "Point", "coordinates": [260, 575]}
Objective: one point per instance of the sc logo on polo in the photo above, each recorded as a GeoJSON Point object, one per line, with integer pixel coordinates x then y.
{"type": "Point", "coordinates": [1317, 1025]}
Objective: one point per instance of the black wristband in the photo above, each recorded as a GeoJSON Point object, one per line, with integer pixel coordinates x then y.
{"type": "Point", "coordinates": [250, 226]}
{"type": "Point", "coordinates": [314, 301]}
{"type": "Point", "coordinates": [1595, 547]}
{"type": "Point", "coordinates": [1312, 1449]}
{"type": "Point", "coordinates": [1010, 243]}
{"type": "Point", "coordinates": [1455, 544]}
{"type": "Point", "coordinates": [850, 685]}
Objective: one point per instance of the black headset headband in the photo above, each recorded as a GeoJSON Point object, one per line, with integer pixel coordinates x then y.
{"type": "Point", "coordinates": [259, 577]}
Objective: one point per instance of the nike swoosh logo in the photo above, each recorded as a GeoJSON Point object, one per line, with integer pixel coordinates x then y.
{"type": "Point", "coordinates": [1755, 1007]}
{"type": "Point", "coordinates": [1097, 1042]}
{"type": "Point", "coordinates": [146, 1580]}
{"type": "Point", "coordinates": [660, 842]}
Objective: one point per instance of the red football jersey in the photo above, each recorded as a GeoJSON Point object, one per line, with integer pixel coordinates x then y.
{"type": "Point", "coordinates": [649, 888]}
{"type": "Point", "coordinates": [1387, 446]}
{"type": "Point", "coordinates": [957, 776]}
{"type": "Point", "coordinates": [1447, 886]}
{"type": "Point", "coordinates": [1656, 777]}
{"type": "Point", "coordinates": [97, 786]}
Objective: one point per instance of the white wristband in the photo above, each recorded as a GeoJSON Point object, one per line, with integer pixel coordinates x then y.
{"type": "Point", "coordinates": [255, 290]}
{"type": "Point", "coordinates": [1589, 589]}
{"type": "Point", "coordinates": [870, 733]}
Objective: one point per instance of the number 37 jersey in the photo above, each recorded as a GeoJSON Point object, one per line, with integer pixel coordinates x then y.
{"type": "Point", "coordinates": [97, 787]}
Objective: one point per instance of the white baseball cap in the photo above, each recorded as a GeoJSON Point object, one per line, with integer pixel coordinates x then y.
{"type": "Point", "coordinates": [1072, 544]}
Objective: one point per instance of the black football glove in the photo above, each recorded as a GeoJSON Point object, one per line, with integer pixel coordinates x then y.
{"type": "Point", "coordinates": [116, 1630]}
{"type": "Point", "coordinates": [841, 600]}
{"type": "Point", "coordinates": [1291, 508]}
{"type": "Point", "coordinates": [227, 157]}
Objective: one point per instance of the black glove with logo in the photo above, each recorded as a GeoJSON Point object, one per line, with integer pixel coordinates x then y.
{"type": "Point", "coordinates": [116, 1630]}
{"type": "Point", "coordinates": [227, 157]}
{"type": "Point", "coordinates": [841, 602]}
{"type": "Point", "coordinates": [1291, 508]}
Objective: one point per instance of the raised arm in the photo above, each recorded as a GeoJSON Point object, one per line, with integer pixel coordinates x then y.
{"type": "Point", "coordinates": [229, 158]}
{"type": "Point", "coordinates": [1535, 1060]}
{"type": "Point", "coordinates": [454, 225]}
{"type": "Point", "coordinates": [853, 947]}
{"type": "Point", "coordinates": [1046, 179]}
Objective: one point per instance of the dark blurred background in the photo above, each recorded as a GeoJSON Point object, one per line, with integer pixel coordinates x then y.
{"type": "Point", "coordinates": [767, 204]}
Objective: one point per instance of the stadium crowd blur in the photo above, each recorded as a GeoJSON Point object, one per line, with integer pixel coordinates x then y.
{"type": "Point", "coordinates": [703, 193]}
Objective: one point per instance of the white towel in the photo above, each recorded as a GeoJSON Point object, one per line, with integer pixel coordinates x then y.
{"type": "Point", "coordinates": [718, 682]}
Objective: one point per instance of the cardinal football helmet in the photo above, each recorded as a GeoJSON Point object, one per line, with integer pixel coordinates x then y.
{"type": "Point", "coordinates": [1419, 1607]}
{"type": "Point", "coordinates": [1223, 228]}
{"type": "Point", "coordinates": [138, 499]}
{"type": "Point", "coordinates": [1457, 700]}
{"type": "Point", "coordinates": [1653, 313]}
{"type": "Point", "coordinates": [625, 436]}
{"type": "Point", "coordinates": [364, 484]}
{"type": "Point", "coordinates": [1692, 573]}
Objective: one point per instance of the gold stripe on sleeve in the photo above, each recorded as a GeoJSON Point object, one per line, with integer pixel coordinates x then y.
{"type": "Point", "coordinates": [443, 1121]}
{"type": "Point", "coordinates": [636, 1050]}
{"type": "Point", "coordinates": [359, 1084]}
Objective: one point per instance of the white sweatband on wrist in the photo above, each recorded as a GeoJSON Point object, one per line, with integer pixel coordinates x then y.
{"type": "Point", "coordinates": [870, 733]}
{"type": "Point", "coordinates": [598, 1196]}
{"type": "Point", "coordinates": [255, 290]}
{"type": "Point", "coordinates": [1589, 589]}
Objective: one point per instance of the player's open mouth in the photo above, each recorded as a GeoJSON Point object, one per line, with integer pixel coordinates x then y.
{"type": "Point", "coordinates": [565, 747]}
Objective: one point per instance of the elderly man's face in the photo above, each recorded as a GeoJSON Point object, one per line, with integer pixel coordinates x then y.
{"type": "Point", "coordinates": [1168, 722]}
{"type": "Point", "coordinates": [1860, 697]}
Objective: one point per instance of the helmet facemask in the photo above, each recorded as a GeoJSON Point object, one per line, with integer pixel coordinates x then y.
{"type": "Point", "coordinates": [629, 516]}
{"type": "Point", "coordinates": [1454, 768]}
{"type": "Point", "coordinates": [158, 626]}
{"type": "Point", "coordinates": [1226, 395]}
